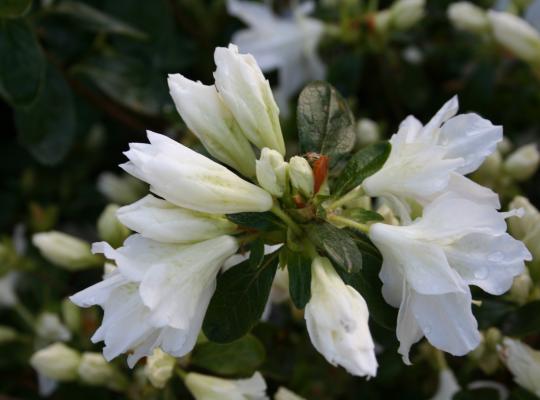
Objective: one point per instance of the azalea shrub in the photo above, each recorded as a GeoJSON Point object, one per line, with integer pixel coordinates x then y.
{"type": "Point", "coordinates": [234, 199]}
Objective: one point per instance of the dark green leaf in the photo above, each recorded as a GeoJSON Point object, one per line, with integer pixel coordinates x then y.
{"type": "Point", "coordinates": [123, 79]}
{"type": "Point", "coordinates": [14, 8]}
{"type": "Point", "coordinates": [241, 357]}
{"type": "Point", "coordinates": [239, 300]}
{"type": "Point", "coordinates": [492, 311]}
{"type": "Point", "coordinates": [48, 127]}
{"type": "Point", "coordinates": [22, 64]}
{"type": "Point", "coordinates": [523, 321]}
{"type": "Point", "coordinates": [477, 394]}
{"type": "Point", "coordinates": [299, 267]}
{"type": "Point", "coordinates": [362, 216]}
{"type": "Point", "coordinates": [522, 394]}
{"type": "Point", "coordinates": [256, 255]}
{"type": "Point", "coordinates": [325, 123]}
{"type": "Point", "coordinates": [361, 165]}
{"type": "Point", "coordinates": [337, 244]}
{"type": "Point", "coordinates": [265, 221]}
{"type": "Point", "coordinates": [94, 20]}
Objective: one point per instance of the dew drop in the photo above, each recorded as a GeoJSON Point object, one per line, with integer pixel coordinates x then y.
{"type": "Point", "coordinates": [496, 257]}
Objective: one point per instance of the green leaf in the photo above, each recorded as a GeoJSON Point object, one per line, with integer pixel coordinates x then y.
{"type": "Point", "coordinates": [241, 357]}
{"type": "Point", "coordinates": [362, 216]}
{"type": "Point", "coordinates": [123, 79]}
{"type": "Point", "coordinates": [256, 255]}
{"type": "Point", "coordinates": [14, 8]}
{"type": "Point", "coordinates": [325, 123]}
{"type": "Point", "coordinates": [368, 284]}
{"type": "Point", "coordinates": [364, 163]}
{"type": "Point", "coordinates": [22, 64]}
{"type": "Point", "coordinates": [94, 20]}
{"type": "Point", "coordinates": [265, 221]}
{"type": "Point", "coordinates": [299, 267]}
{"type": "Point", "coordinates": [523, 321]}
{"type": "Point", "coordinates": [337, 244]}
{"type": "Point", "coordinates": [239, 300]}
{"type": "Point", "coordinates": [47, 129]}
{"type": "Point", "coordinates": [522, 394]}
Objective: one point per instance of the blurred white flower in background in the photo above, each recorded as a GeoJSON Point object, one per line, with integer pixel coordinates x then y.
{"type": "Point", "coordinates": [204, 387]}
{"type": "Point", "coordinates": [286, 43]}
{"type": "Point", "coordinates": [523, 362]}
{"type": "Point", "coordinates": [448, 385]}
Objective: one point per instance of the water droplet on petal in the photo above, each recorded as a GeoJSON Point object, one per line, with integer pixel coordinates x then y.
{"type": "Point", "coordinates": [496, 257]}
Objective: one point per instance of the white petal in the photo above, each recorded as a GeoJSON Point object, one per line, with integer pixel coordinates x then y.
{"type": "Point", "coordinates": [447, 111]}
{"type": "Point", "coordinates": [490, 262]}
{"type": "Point", "coordinates": [407, 331]}
{"type": "Point", "coordinates": [470, 137]}
{"type": "Point", "coordinates": [447, 321]}
{"type": "Point", "coordinates": [468, 189]}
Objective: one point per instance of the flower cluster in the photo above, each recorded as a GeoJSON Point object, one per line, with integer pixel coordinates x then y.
{"type": "Point", "coordinates": [443, 232]}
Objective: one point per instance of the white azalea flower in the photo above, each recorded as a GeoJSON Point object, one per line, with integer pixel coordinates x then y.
{"type": "Point", "coordinates": [429, 265]}
{"type": "Point", "coordinates": [516, 34]}
{"type": "Point", "coordinates": [288, 44]}
{"type": "Point", "coordinates": [337, 321]}
{"type": "Point", "coordinates": [426, 160]}
{"type": "Point", "coordinates": [162, 221]}
{"type": "Point", "coordinates": [206, 115]}
{"type": "Point", "coordinates": [247, 94]}
{"type": "Point", "coordinates": [8, 295]}
{"type": "Point", "coordinates": [189, 179]}
{"type": "Point", "coordinates": [158, 295]}
{"type": "Point", "coordinates": [448, 385]}
{"type": "Point", "coordinates": [523, 362]}
{"type": "Point", "coordinates": [204, 387]}
{"type": "Point", "coordinates": [272, 172]}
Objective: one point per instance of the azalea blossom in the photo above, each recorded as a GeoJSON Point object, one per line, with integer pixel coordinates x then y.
{"type": "Point", "coordinates": [426, 161]}
{"type": "Point", "coordinates": [286, 43]}
{"type": "Point", "coordinates": [337, 321]}
{"type": "Point", "coordinates": [429, 265]}
{"type": "Point", "coordinates": [158, 295]}
{"type": "Point", "coordinates": [162, 221]}
{"type": "Point", "coordinates": [204, 387]}
{"type": "Point", "coordinates": [523, 362]}
{"type": "Point", "coordinates": [191, 180]}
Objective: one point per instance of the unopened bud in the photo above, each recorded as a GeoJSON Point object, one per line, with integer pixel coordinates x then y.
{"type": "Point", "coordinates": [301, 175]}
{"type": "Point", "coordinates": [159, 368]}
{"type": "Point", "coordinates": [65, 250]}
{"type": "Point", "coordinates": [406, 13]}
{"type": "Point", "coordinates": [71, 314]}
{"type": "Point", "coordinates": [526, 228]}
{"type": "Point", "coordinates": [109, 227]}
{"type": "Point", "coordinates": [57, 361]}
{"type": "Point", "coordinates": [468, 17]}
{"type": "Point", "coordinates": [523, 163]}
{"type": "Point", "coordinates": [50, 327]}
{"type": "Point", "coordinates": [286, 394]}
{"type": "Point", "coordinates": [490, 170]}
{"type": "Point", "coordinates": [95, 370]}
{"type": "Point", "coordinates": [271, 171]}
{"type": "Point", "coordinates": [122, 189]}
{"type": "Point", "coordinates": [367, 132]}
{"type": "Point", "coordinates": [521, 287]}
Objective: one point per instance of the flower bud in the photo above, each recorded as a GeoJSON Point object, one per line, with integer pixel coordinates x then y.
{"type": "Point", "coordinates": [65, 250]}
{"type": "Point", "coordinates": [50, 327]}
{"type": "Point", "coordinates": [521, 288]}
{"type": "Point", "coordinates": [247, 94]}
{"type": "Point", "coordinates": [204, 112]}
{"type": "Point", "coordinates": [523, 362]}
{"type": "Point", "coordinates": [301, 175]}
{"type": "Point", "coordinates": [122, 189]}
{"type": "Point", "coordinates": [516, 35]}
{"type": "Point", "coordinates": [204, 387]}
{"type": "Point", "coordinates": [57, 361]}
{"type": "Point", "coordinates": [8, 296]}
{"type": "Point", "coordinates": [164, 222]}
{"type": "Point", "coordinates": [109, 227]}
{"type": "Point", "coordinates": [286, 394]}
{"type": "Point", "coordinates": [159, 368]}
{"type": "Point", "coordinates": [71, 314]}
{"type": "Point", "coordinates": [7, 334]}
{"type": "Point", "coordinates": [406, 13]}
{"type": "Point", "coordinates": [367, 132]}
{"type": "Point", "coordinates": [96, 371]}
{"type": "Point", "coordinates": [504, 146]}
{"type": "Point", "coordinates": [272, 172]}
{"type": "Point", "coordinates": [523, 162]}
{"type": "Point", "coordinates": [468, 17]}
{"type": "Point", "coordinates": [489, 171]}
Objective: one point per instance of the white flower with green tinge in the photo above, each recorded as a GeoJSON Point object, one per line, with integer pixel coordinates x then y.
{"type": "Point", "coordinates": [204, 387]}
{"type": "Point", "coordinates": [191, 180]}
{"type": "Point", "coordinates": [337, 321]}
{"type": "Point", "coordinates": [523, 362]}
{"type": "Point", "coordinates": [429, 265]}
{"type": "Point", "coordinates": [57, 361]}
